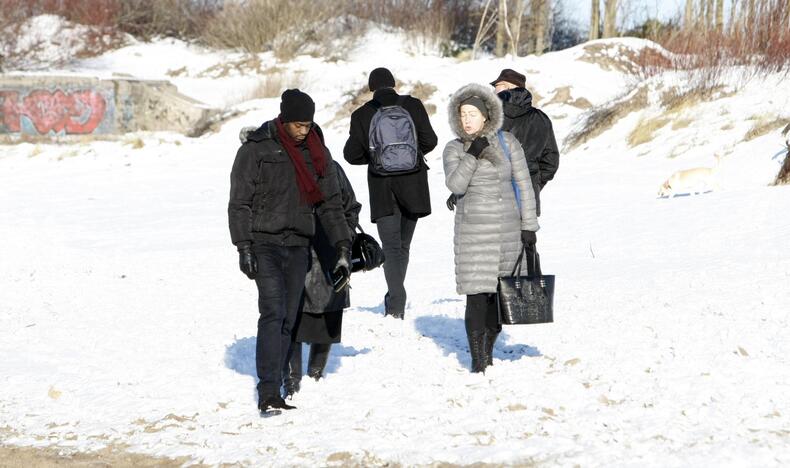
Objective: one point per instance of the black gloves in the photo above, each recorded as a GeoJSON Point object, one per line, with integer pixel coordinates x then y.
{"type": "Point", "coordinates": [529, 238]}
{"type": "Point", "coordinates": [341, 273]}
{"type": "Point", "coordinates": [452, 200]}
{"type": "Point", "coordinates": [247, 262]}
{"type": "Point", "coordinates": [477, 146]}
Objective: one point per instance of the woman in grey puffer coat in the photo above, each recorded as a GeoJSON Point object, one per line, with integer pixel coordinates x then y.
{"type": "Point", "coordinates": [491, 227]}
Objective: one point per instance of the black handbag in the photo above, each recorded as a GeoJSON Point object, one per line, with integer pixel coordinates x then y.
{"type": "Point", "coordinates": [366, 253]}
{"type": "Point", "coordinates": [526, 299]}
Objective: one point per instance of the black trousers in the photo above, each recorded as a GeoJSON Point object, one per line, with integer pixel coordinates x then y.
{"type": "Point", "coordinates": [396, 232]}
{"type": "Point", "coordinates": [481, 313]}
{"type": "Point", "coordinates": [280, 281]}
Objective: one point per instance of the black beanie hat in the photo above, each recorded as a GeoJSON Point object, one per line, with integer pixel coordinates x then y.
{"type": "Point", "coordinates": [478, 102]}
{"type": "Point", "coordinates": [296, 106]}
{"type": "Point", "coordinates": [380, 78]}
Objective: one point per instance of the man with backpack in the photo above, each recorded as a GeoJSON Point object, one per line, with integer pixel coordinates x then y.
{"type": "Point", "coordinates": [391, 134]}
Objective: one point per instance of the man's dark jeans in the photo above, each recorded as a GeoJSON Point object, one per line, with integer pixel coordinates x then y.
{"type": "Point", "coordinates": [396, 232]}
{"type": "Point", "coordinates": [280, 281]}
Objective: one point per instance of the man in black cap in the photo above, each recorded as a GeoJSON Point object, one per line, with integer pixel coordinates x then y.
{"type": "Point", "coordinates": [281, 176]}
{"type": "Point", "coordinates": [396, 200]}
{"type": "Point", "coordinates": [531, 126]}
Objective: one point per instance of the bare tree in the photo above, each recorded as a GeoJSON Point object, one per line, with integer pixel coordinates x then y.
{"type": "Point", "coordinates": [688, 15]}
{"type": "Point", "coordinates": [610, 18]}
{"type": "Point", "coordinates": [514, 27]}
{"type": "Point", "coordinates": [595, 20]}
{"type": "Point", "coordinates": [720, 15]}
{"type": "Point", "coordinates": [501, 29]}
{"type": "Point", "coordinates": [540, 19]}
{"type": "Point", "coordinates": [487, 22]}
{"type": "Point", "coordinates": [708, 15]}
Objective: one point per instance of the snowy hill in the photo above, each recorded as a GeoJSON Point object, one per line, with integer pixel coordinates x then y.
{"type": "Point", "coordinates": [124, 321]}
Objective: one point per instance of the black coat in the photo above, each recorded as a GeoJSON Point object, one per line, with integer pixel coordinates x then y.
{"type": "Point", "coordinates": [533, 129]}
{"type": "Point", "coordinates": [319, 295]}
{"type": "Point", "coordinates": [409, 190]}
{"type": "Point", "coordinates": [265, 202]}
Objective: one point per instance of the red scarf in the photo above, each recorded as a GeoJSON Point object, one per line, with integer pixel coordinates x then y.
{"type": "Point", "coordinates": [308, 187]}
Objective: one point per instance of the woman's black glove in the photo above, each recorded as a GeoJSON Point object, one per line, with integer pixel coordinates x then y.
{"type": "Point", "coordinates": [477, 146]}
{"type": "Point", "coordinates": [452, 200]}
{"type": "Point", "coordinates": [529, 238]}
{"type": "Point", "coordinates": [247, 262]}
{"type": "Point", "coordinates": [341, 273]}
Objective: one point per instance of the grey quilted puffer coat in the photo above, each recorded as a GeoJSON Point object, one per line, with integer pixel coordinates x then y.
{"type": "Point", "coordinates": [488, 222]}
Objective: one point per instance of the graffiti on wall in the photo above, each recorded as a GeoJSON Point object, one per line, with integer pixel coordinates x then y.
{"type": "Point", "coordinates": [70, 112]}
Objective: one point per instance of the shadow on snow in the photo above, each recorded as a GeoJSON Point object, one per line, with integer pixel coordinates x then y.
{"type": "Point", "coordinates": [450, 334]}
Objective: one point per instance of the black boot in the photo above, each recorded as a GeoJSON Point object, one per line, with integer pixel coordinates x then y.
{"type": "Point", "coordinates": [491, 336]}
{"type": "Point", "coordinates": [273, 402]}
{"type": "Point", "coordinates": [398, 314]}
{"type": "Point", "coordinates": [292, 371]}
{"type": "Point", "coordinates": [477, 346]}
{"type": "Point", "coordinates": [316, 362]}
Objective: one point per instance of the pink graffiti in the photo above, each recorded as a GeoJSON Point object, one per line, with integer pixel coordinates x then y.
{"type": "Point", "coordinates": [77, 112]}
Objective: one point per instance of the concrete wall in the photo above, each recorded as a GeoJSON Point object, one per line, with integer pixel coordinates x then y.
{"type": "Point", "coordinates": [62, 105]}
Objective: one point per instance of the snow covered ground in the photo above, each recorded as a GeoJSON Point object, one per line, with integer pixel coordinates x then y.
{"type": "Point", "coordinates": [124, 319]}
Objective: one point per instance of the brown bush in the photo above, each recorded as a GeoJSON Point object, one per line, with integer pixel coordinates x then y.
{"type": "Point", "coordinates": [602, 118]}
{"type": "Point", "coordinates": [263, 25]}
{"type": "Point", "coordinates": [761, 46]}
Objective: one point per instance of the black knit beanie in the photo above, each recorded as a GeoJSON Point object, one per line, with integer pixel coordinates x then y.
{"type": "Point", "coordinates": [296, 106]}
{"type": "Point", "coordinates": [380, 78]}
{"type": "Point", "coordinates": [478, 102]}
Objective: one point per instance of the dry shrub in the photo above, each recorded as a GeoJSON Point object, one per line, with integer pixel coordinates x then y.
{"type": "Point", "coordinates": [783, 177]}
{"type": "Point", "coordinates": [681, 123]}
{"type": "Point", "coordinates": [273, 84]}
{"type": "Point", "coordinates": [352, 100]}
{"type": "Point", "coordinates": [645, 130]}
{"type": "Point", "coordinates": [761, 46]}
{"type": "Point", "coordinates": [263, 25]}
{"type": "Point", "coordinates": [422, 91]}
{"type": "Point", "coordinates": [145, 19]}
{"type": "Point", "coordinates": [562, 95]}
{"type": "Point", "coordinates": [432, 24]}
{"type": "Point", "coordinates": [602, 118]}
{"type": "Point", "coordinates": [764, 125]}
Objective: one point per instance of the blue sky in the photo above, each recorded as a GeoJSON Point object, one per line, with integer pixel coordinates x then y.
{"type": "Point", "coordinates": [663, 9]}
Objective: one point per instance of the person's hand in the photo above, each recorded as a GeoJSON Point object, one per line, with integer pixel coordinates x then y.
{"type": "Point", "coordinates": [452, 200]}
{"type": "Point", "coordinates": [341, 273]}
{"type": "Point", "coordinates": [477, 146]}
{"type": "Point", "coordinates": [244, 132]}
{"type": "Point", "coordinates": [247, 262]}
{"type": "Point", "coordinates": [529, 238]}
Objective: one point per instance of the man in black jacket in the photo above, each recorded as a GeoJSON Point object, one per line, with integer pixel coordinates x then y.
{"type": "Point", "coordinates": [281, 176]}
{"type": "Point", "coordinates": [396, 201]}
{"type": "Point", "coordinates": [531, 126]}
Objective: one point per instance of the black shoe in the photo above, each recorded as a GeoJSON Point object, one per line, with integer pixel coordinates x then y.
{"type": "Point", "coordinates": [273, 402]}
{"type": "Point", "coordinates": [316, 362]}
{"type": "Point", "coordinates": [477, 344]}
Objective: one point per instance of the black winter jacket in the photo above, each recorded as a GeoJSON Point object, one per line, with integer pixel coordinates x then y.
{"type": "Point", "coordinates": [319, 295]}
{"type": "Point", "coordinates": [265, 203]}
{"type": "Point", "coordinates": [410, 191]}
{"type": "Point", "coordinates": [532, 128]}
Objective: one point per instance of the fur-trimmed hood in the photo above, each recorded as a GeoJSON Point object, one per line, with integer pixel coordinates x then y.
{"type": "Point", "coordinates": [492, 102]}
